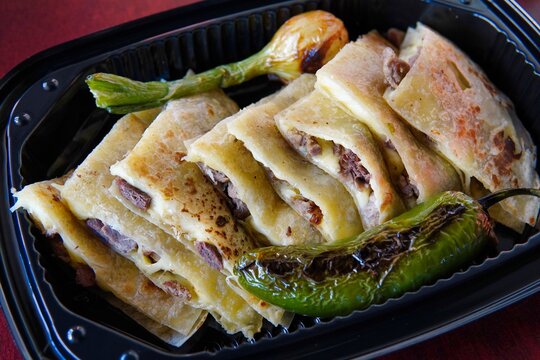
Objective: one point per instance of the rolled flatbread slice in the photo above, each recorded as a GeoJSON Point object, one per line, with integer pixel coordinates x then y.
{"type": "Point", "coordinates": [243, 181]}
{"type": "Point", "coordinates": [166, 316]}
{"type": "Point", "coordinates": [164, 260]}
{"type": "Point", "coordinates": [314, 194]}
{"type": "Point", "coordinates": [342, 146]}
{"type": "Point", "coordinates": [446, 96]}
{"type": "Point", "coordinates": [164, 333]}
{"type": "Point", "coordinates": [355, 80]}
{"type": "Point", "coordinates": [155, 182]}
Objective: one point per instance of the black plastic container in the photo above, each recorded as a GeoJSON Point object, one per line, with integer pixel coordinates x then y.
{"type": "Point", "coordinates": [51, 124]}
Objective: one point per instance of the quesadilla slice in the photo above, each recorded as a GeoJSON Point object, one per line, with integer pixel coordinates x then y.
{"type": "Point", "coordinates": [166, 261]}
{"type": "Point", "coordinates": [354, 79]}
{"type": "Point", "coordinates": [446, 96]}
{"type": "Point", "coordinates": [166, 316]}
{"type": "Point", "coordinates": [314, 194]}
{"type": "Point", "coordinates": [155, 182]}
{"type": "Point", "coordinates": [342, 146]}
{"type": "Point", "coordinates": [164, 333]}
{"type": "Point", "coordinates": [243, 182]}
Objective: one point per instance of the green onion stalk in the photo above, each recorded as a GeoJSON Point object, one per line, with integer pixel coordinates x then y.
{"type": "Point", "coordinates": [302, 44]}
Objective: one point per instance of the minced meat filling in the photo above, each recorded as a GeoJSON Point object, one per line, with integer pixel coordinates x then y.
{"type": "Point", "coordinates": [350, 166]}
{"type": "Point", "coordinates": [307, 208]}
{"type": "Point", "coordinates": [407, 189]}
{"type": "Point", "coordinates": [305, 143]}
{"type": "Point", "coordinates": [394, 68]}
{"type": "Point", "coordinates": [228, 190]}
{"type": "Point", "coordinates": [112, 238]}
{"type": "Point", "coordinates": [136, 196]}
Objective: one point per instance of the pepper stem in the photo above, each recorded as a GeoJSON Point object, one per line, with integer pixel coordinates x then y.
{"type": "Point", "coordinates": [491, 199]}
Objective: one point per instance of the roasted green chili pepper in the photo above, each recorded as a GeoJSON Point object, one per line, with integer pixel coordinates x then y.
{"type": "Point", "coordinates": [432, 240]}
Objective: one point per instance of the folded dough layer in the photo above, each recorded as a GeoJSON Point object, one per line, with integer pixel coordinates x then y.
{"type": "Point", "coordinates": [448, 97]}
{"type": "Point", "coordinates": [342, 146]}
{"type": "Point", "coordinates": [164, 260]}
{"type": "Point", "coordinates": [243, 181]}
{"type": "Point", "coordinates": [157, 184]}
{"type": "Point", "coordinates": [314, 194]}
{"type": "Point", "coordinates": [354, 78]}
{"type": "Point", "coordinates": [166, 316]}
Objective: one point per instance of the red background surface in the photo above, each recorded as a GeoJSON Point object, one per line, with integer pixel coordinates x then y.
{"type": "Point", "coordinates": [28, 27]}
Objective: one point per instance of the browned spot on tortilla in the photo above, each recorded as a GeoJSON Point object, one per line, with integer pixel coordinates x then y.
{"type": "Point", "coordinates": [225, 250]}
{"type": "Point", "coordinates": [504, 159]}
{"type": "Point", "coordinates": [495, 180]}
{"type": "Point", "coordinates": [190, 185]}
{"type": "Point", "coordinates": [289, 231]}
{"type": "Point", "coordinates": [221, 221]}
{"type": "Point", "coordinates": [179, 156]}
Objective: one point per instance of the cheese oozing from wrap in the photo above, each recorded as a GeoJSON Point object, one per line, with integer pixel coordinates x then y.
{"type": "Point", "coordinates": [342, 146]}
{"type": "Point", "coordinates": [167, 262]}
{"type": "Point", "coordinates": [314, 194]}
{"type": "Point", "coordinates": [446, 96]}
{"type": "Point", "coordinates": [155, 182]}
{"type": "Point", "coordinates": [354, 79]}
{"type": "Point", "coordinates": [243, 181]}
{"type": "Point", "coordinates": [166, 316]}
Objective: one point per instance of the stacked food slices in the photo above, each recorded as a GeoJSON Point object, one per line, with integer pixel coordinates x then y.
{"type": "Point", "coordinates": [314, 194]}
{"type": "Point", "coordinates": [448, 98]}
{"type": "Point", "coordinates": [168, 264]}
{"type": "Point", "coordinates": [178, 198]}
{"type": "Point", "coordinates": [164, 315]}
{"type": "Point", "coordinates": [341, 145]}
{"type": "Point", "coordinates": [356, 81]}
{"type": "Point", "coordinates": [244, 183]}
{"type": "Point", "coordinates": [159, 213]}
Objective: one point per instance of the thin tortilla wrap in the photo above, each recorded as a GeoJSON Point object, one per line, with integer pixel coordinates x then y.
{"type": "Point", "coordinates": [162, 332]}
{"type": "Point", "coordinates": [331, 209]}
{"type": "Point", "coordinates": [268, 215]}
{"type": "Point", "coordinates": [113, 273]}
{"type": "Point", "coordinates": [448, 97]}
{"type": "Point", "coordinates": [166, 261]}
{"type": "Point", "coordinates": [354, 78]}
{"type": "Point", "coordinates": [183, 201]}
{"type": "Point", "coordinates": [336, 138]}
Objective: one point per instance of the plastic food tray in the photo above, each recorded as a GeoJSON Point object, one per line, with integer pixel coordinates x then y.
{"type": "Point", "coordinates": [50, 124]}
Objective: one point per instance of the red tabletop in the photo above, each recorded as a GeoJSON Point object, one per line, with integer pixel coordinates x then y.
{"type": "Point", "coordinates": [28, 27]}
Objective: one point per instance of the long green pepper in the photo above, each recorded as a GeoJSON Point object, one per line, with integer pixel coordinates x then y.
{"type": "Point", "coordinates": [432, 240]}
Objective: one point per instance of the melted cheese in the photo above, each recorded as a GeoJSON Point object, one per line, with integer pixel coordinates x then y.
{"type": "Point", "coordinates": [87, 194]}
{"type": "Point", "coordinates": [258, 131]}
{"type": "Point", "coordinates": [316, 115]}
